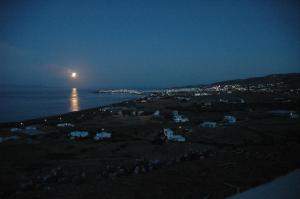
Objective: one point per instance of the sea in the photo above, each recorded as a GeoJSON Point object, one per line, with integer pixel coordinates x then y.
{"type": "Point", "coordinates": [19, 103]}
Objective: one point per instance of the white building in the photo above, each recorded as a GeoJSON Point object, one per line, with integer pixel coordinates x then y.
{"type": "Point", "coordinates": [30, 128]}
{"type": "Point", "coordinates": [102, 135]}
{"type": "Point", "coordinates": [229, 119]}
{"type": "Point", "coordinates": [156, 113]}
{"type": "Point", "coordinates": [293, 115]}
{"type": "Point", "coordinates": [206, 104]}
{"type": "Point", "coordinates": [78, 134]}
{"type": "Point", "coordinates": [170, 135]}
{"type": "Point", "coordinates": [65, 125]}
{"type": "Point", "coordinates": [179, 118]}
{"type": "Point", "coordinates": [174, 113]}
{"type": "Point", "coordinates": [15, 129]}
{"type": "Point", "coordinates": [209, 125]}
{"type": "Point", "coordinates": [9, 138]}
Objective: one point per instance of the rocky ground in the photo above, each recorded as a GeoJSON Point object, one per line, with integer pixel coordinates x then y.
{"type": "Point", "coordinates": [138, 162]}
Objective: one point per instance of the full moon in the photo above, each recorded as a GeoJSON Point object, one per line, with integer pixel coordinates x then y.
{"type": "Point", "coordinates": [74, 75]}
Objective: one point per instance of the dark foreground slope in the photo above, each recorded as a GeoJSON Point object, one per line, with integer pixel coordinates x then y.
{"type": "Point", "coordinates": [137, 162]}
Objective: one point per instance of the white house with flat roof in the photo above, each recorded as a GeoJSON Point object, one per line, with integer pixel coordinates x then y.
{"type": "Point", "coordinates": [208, 125]}
{"type": "Point", "coordinates": [169, 133]}
{"type": "Point", "coordinates": [102, 135]}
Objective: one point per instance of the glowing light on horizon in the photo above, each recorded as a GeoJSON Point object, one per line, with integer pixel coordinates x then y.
{"type": "Point", "coordinates": [73, 75]}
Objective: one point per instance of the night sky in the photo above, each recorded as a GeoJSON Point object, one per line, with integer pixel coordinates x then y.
{"type": "Point", "coordinates": [146, 44]}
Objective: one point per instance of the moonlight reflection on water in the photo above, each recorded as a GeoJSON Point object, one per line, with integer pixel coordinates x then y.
{"type": "Point", "coordinates": [74, 100]}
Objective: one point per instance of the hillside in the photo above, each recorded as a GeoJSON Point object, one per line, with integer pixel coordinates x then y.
{"type": "Point", "coordinates": [290, 79]}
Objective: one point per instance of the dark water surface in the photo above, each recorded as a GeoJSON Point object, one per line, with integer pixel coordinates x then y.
{"type": "Point", "coordinates": [28, 103]}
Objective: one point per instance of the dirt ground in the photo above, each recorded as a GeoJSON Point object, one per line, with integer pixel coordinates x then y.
{"type": "Point", "coordinates": [137, 162]}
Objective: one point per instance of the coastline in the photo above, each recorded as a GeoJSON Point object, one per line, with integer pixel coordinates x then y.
{"type": "Point", "coordinates": [51, 119]}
